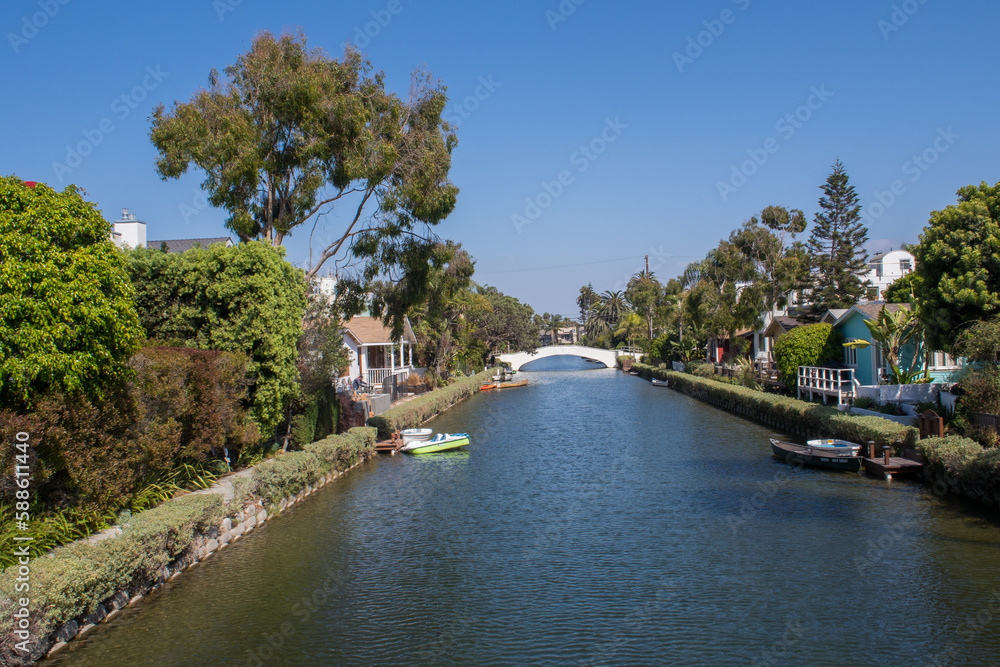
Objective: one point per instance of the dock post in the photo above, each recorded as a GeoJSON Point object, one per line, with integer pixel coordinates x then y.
{"type": "Point", "coordinates": [885, 453]}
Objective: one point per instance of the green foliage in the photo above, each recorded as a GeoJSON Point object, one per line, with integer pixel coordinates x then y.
{"type": "Point", "coordinates": [836, 246]}
{"type": "Point", "coordinates": [382, 425]}
{"type": "Point", "coordinates": [288, 132]}
{"type": "Point", "coordinates": [289, 473]}
{"type": "Point", "coordinates": [702, 369]}
{"type": "Point", "coordinates": [165, 484]}
{"type": "Point", "coordinates": [746, 374]}
{"type": "Point", "coordinates": [416, 411]}
{"type": "Point", "coordinates": [827, 422]}
{"type": "Point", "coordinates": [957, 259]}
{"type": "Point", "coordinates": [192, 399]}
{"type": "Point", "coordinates": [902, 289]}
{"type": "Point", "coordinates": [48, 529]}
{"type": "Point", "coordinates": [865, 403]}
{"type": "Point", "coordinates": [181, 405]}
{"type": "Point", "coordinates": [809, 345]}
{"type": "Point", "coordinates": [72, 581]}
{"type": "Point", "coordinates": [67, 322]}
{"type": "Point", "coordinates": [245, 299]}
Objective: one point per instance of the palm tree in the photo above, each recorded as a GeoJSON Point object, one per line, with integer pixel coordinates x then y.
{"type": "Point", "coordinates": [630, 326]}
{"type": "Point", "coordinates": [613, 307]}
{"type": "Point", "coordinates": [556, 323]}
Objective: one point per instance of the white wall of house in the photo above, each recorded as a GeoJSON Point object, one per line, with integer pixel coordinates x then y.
{"type": "Point", "coordinates": [128, 232]}
{"type": "Point", "coordinates": [885, 268]}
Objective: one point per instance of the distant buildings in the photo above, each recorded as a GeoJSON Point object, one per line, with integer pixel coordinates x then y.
{"type": "Point", "coordinates": [130, 232]}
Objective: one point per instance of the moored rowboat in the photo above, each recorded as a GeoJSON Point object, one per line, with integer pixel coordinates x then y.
{"type": "Point", "coordinates": [803, 455]}
{"type": "Point", "coordinates": [833, 447]}
{"type": "Point", "coordinates": [511, 385]}
{"type": "Point", "coordinates": [412, 435]}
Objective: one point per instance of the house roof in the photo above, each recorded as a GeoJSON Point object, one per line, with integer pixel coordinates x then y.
{"type": "Point", "coordinates": [781, 324]}
{"type": "Point", "coordinates": [833, 314]}
{"type": "Point", "coordinates": [371, 331]}
{"type": "Point", "coordinates": [180, 245]}
{"type": "Point", "coordinates": [870, 309]}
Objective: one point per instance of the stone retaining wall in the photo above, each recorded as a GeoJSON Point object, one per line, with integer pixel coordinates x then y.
{"type": "Point", "coordinates": [230, 530]}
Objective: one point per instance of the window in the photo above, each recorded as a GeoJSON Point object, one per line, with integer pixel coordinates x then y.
{"type": "Point", "coordinates": [872, 294]}
{"type": "Point", "coordinates": [851, 354]}
{"type": "Point", "coordinates": [904, 266]}
{"type": "Point", "coordinates": [944, 360]}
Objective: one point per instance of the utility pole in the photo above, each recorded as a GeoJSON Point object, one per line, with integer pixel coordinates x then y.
{"type": "Point", "coordinates": [647, 266]}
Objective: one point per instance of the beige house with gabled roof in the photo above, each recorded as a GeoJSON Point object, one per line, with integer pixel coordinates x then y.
{"type": "Point", "coordinates": [374, 354]}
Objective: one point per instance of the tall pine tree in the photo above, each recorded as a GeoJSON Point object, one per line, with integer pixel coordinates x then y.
{"type": "Point", "coordinates": [836, 247]}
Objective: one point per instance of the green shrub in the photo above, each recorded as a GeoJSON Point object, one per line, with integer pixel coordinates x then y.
{"type": "Point", "coordinates": [949, 456]}
{"type": "Point", "coordinates": [865, 403]}
{"type": "Point", "coordinates": [288, 474]}
{"type": "Point", "coordinates": [786, 412]}
{"type": "Point", "coordinates": [383, 426]}
{"type": "Point", "coordinates": [702, 369]}
{"type": "Point", "coordinates": [423, 407]}
{"type": "Point", "coordinates": [73, 580]}
{"type": "Point", "coordinates": [809, 345]}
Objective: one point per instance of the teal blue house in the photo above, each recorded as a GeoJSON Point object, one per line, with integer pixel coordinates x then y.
{"type": "Point", "coordinates": [867, 362]}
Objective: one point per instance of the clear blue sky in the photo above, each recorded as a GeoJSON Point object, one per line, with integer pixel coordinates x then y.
{"type": "Point", "coordinates": [673, 129]}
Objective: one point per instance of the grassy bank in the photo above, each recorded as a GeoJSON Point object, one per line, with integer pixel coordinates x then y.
{"type": "Point", "coordinates": [785, 413]}
{"type": "Point", "coordinates": [418, 410]}
{"type": "Point", "coordinates": [83, 582]}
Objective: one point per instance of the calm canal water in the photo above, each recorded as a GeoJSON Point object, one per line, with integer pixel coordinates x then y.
{"type": "Point", "coordinates": [595, 519]}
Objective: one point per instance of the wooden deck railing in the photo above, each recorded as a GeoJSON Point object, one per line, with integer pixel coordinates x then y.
{"type": "Point", "coordinates": [834, 382]}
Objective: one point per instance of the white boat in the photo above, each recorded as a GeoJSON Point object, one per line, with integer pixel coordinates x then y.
{"type": "Point", "coordinates": [833, 447]}
{"type": "Point", "coordinates": [412, 435]}
{"type": "Point", "coordinates": [657, 382]}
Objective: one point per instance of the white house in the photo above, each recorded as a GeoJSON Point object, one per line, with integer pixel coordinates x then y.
{"type": "Point", "coordinates": [374, 355]}
{"type": "Point", "coordinates": [128, 232]}
{"type": "Point", "coordinates": [884, 268]}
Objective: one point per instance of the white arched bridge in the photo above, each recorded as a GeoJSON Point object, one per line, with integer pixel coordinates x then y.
{"type": "Point", "coordinates": [518, 359]}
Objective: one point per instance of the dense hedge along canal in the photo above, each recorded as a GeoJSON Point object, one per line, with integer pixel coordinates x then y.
{"type": "Point", "coordinates": [595, 519]}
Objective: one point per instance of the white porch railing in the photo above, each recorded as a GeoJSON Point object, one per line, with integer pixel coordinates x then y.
{"type": "Point", "coordinates": [835, 382]}
{"type": "Point", "coordinates": [377, 375]}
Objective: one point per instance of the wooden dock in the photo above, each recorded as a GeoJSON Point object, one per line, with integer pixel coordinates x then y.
{"type": "Point", "coordinates": [877, 467]}
{"type": "Point", "coordinates": [390, 446]}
